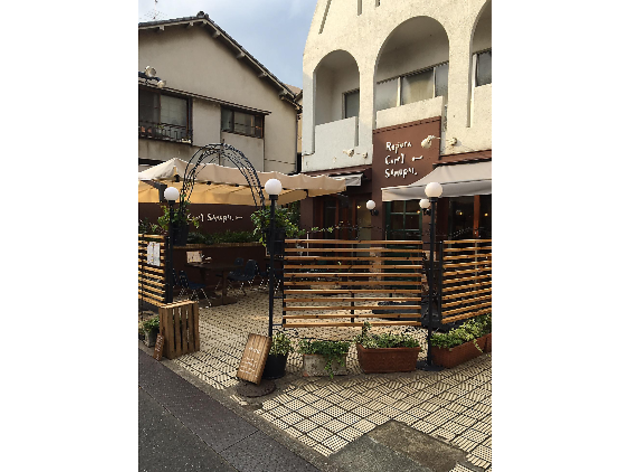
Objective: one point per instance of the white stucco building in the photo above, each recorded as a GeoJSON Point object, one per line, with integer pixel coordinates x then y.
{"type": "Point", "coordinates": [383, 72]}
{"type": "Point", "coordinates": [215, 91]}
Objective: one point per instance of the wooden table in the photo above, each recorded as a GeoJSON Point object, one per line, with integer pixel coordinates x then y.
{"type": "Point", "coordinates": [216, 268]}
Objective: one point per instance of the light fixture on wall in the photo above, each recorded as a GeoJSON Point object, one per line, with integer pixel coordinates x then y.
{"type": "Point", "coordinates": [426, 142]}
{"type": "Point", "coordinates": [349, 152]}
{"type": "Point", "coordinates": [424, 205]}
{"type": "Point", "coordinates": [151, 74]}
{"type": "Point", "coordinates": [371, 205]}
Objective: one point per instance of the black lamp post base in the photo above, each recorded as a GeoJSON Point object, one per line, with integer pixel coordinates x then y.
{"type": "Point", "coordinates": [424, 365]}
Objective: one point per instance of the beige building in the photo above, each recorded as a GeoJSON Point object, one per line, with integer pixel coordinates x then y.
{"type": "Point", "coordinates": [215, 92]}
{"type": "Point", "coordinates": [380, 76]}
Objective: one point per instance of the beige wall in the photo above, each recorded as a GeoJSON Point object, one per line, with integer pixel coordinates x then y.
{"type": "Point", "coordinates": [452, 25]}
{"type": "Point", "coordinates": [189, 59]}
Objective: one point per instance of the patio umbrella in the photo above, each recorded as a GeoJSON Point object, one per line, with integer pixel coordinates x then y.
{"type": "Point", "coordinates": [227, 186]}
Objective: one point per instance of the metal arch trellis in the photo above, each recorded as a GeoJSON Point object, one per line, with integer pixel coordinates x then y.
{"type": "Point", "coordinates": [212, 153]}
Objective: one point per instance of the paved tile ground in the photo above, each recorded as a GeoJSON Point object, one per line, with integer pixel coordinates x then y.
{"type": "Point", "coordinates": [454, 405]}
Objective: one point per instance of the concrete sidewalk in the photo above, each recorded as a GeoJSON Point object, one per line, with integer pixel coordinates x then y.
{"type": "Point", "coordinates": [197, 433]}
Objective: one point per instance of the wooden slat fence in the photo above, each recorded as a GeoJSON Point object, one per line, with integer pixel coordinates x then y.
{"type": "Point", "coordinates": [466, 279]}
{"type": "Point", "coordinates": [151, 279]}
{"type": "Point", "coordinates": [338, 282]}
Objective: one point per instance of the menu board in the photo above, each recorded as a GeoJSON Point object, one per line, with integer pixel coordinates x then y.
{"type": "Point", "coordinates": [153, 254]}
{"type": "Point", "coordinates": [159, 347]}
{"type": "Point", "coordinates": [254, 358]}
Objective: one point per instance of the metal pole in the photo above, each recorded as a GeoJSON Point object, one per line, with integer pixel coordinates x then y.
{"type": "Point", "coordinates": [428, 364]}
{"type": "Point", "coordinates": [271, 240]}
{"type": "Point", "coordinates": [431, 272]}
{"type": "Point", "coordinates": [170, 266]}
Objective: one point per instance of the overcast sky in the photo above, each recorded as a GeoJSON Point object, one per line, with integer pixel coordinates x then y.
{"type": "Point", "coordinates": [273, 31]}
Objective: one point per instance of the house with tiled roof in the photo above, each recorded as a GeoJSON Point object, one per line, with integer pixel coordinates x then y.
{"type": "Point", "coordinates": [210, 90]}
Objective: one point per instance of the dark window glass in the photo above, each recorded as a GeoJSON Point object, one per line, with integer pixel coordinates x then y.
{"type": "Point", "coordinates": [461, 217]}
{"type": "Point", "coordinates": [351, 104]}
{"type": "Point", "coordinates": [386, 94]}
{"type": "Point", "coordinates": [403, 220]}
{"type": "Point", "coordinates": [241, 122]}
{"type": "Point", "coordinates": [149, 106]}
{"type": "Point", "coordinates": [417, 87]}
{"type": "Point", "coordinates": [484, 68]}
{"type": "Point", "coordinates": [485, 217]}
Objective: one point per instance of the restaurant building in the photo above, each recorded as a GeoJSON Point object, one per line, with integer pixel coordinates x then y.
{"type": "Point", "coordinates": [380, 77]}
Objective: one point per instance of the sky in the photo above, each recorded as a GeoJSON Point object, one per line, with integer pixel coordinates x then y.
{"type": "Point", "coordinates": [273, 31]}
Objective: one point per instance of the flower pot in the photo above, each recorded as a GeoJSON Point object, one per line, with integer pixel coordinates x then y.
{"type": "Point", "coordinates": [150, 337]}
{"type": "Point", "coordinates": [314, 366]}
{"type": "Point", "coordinates": [395, 359]}
{"type": "Point", "coordinates": [488, 343]}
{"type": "Point", "coordinates": [454, 356]}
{"type": "Point", "coordinates": [275, 367]}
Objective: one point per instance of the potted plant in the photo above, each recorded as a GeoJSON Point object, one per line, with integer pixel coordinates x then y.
{"type": "Point", "coordinates": [323, 357]}
{"type": "Point", "coordinates": [485, 322]}
{"type": "Point", "coordinates": [386, 352]}
{"type": "Point", "coordinates": [151, 330]}
{"type": "Point", "coordinates": [276, 365]}
{"type": "Point", "coordinates": [459, 345]}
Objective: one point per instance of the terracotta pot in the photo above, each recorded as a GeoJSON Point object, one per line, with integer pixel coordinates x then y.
{"type": "Point", "coordinates": [314, 366]}
{"type": "Point", "coordinates": [454, 356]}
{"type": "Point", "coordinates": [488, 343]}
{"type": "Point", "coordinates": [394, 359]}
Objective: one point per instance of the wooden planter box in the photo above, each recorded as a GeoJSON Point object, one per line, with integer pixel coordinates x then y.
{"type": "Point", "coordinates": [179, 324]}
{"type": "Point", "coordinates": [314, 366]}
{"type": "Point", "coordinates": [454, 356]}
{"type": "Point", "coordinates": [396, 359]}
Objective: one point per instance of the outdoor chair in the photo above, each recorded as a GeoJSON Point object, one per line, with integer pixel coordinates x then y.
{"type": "Point", "coordinates": [247, 275]}
{"type": "Point", "coordinates": [239, 261]}
{"type": "Point", "coordinates": [193, 287]}
{"type": "Point", "coordinates": [177, 283]}
{"type": "Point", "coordinates": [264, 276]}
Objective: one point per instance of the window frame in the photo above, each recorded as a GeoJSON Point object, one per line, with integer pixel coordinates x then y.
{"type": "Point", "coordinates": [411, 207]}
{"type": "Point", "coordinates": [399, 78]}
{"type": "Point", "coordinates": [188, 130]}
{"type": "Point", "coordinates": [234, 110]}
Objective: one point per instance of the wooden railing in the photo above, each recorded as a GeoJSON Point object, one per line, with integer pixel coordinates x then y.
{"type": "Point", "coordinates": [151, 278]}
{"type": "Point", "coordinates": [466, 279]}
{"type": "Point", "coordinates": [327, 281]}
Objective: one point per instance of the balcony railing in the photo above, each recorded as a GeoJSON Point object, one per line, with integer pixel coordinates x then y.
{"type": "Point", "coordinates": [164, 132]}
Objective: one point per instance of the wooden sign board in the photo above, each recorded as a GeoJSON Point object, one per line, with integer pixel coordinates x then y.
{"type": "Point", "coordinates": [254, 358]}
{"type": "Point", "coordinates": [159, 347]}
{"type": "Point", "coordinates": [193, 256]}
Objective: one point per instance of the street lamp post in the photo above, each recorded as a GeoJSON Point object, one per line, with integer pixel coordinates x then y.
{"type": "Point", "coordinates": [273, 187]}
{"type": "Point", "coordinates": [171, 194]}
{"type": "Point", "coordinates": [433, 191]}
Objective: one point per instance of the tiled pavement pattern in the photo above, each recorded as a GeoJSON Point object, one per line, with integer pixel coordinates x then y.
{"type": "Point", "coordinates": [453, 405]}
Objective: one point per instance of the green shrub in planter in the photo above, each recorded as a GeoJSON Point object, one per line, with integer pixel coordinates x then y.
{"type": "Point", "coordinates": [384, 340]}
{"type": "Point", "coordinates": [330, 350]}
{"type": "Point", "coordinates": [280, 345]}
{"type": "Point", "coordinates": [152, 324]}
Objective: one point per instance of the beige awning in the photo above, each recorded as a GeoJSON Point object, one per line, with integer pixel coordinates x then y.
{"type": "Point", "coordinates": [457, 180]}
{"type": "Point", "coordinates": [227, 186]}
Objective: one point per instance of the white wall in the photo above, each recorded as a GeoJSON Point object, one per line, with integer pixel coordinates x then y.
{"type": "Point", "coordinates": [363, 36]}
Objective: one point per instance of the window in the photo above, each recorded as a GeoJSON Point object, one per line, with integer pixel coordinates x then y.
{"type": "Point", "coordinates": [410, 88]}
{"type": "Point", "coordinates": [241, 122]}
{"type": "Point", "coordinates": [483, 68]}
{"type": "Point", "coordinates": [403, 220]}
{"type": "Point", "coordinates": [163, 116]}
{"type": "Point", "coordinates": [351, 104]}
